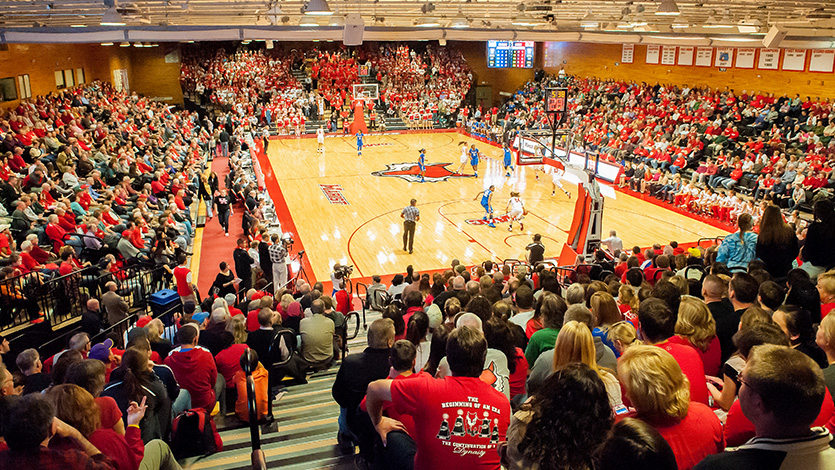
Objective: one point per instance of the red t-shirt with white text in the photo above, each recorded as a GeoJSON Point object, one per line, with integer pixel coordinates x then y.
{"type": "Point", "coordinates": [459, 421]}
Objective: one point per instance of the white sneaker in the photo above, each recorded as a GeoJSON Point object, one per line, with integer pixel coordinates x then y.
{"type": "Point", "coordinates": [227, 234]}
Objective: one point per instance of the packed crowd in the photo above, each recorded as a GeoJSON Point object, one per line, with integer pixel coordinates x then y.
{"type": "Point", "coordinates": [667, 357]}
{"type": "Point", "coordinates": [756, 144]}
{"type": "Point", "coordinates": [434, 82]}
{"type": "Point", "coordinates": [93, 180]}
{"type": "Point", "coordinates": [258, 87]}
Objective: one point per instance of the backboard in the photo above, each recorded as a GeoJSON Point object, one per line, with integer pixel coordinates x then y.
{"type": "Point", "coordinates": [366, 91]}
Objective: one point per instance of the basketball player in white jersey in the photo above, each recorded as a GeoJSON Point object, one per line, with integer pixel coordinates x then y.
{"type": "Point", "coordinates": [320, 138]}
{"type": "Point", "coordinates": [556, 179]}
{"type": "Point", "coordinates": [464, 157]}
{"type": "Point", "coordinates": [516, 210]}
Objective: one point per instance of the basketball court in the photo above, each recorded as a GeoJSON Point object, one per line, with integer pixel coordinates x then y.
{"type": "Point", "coordinates": [346, 209]}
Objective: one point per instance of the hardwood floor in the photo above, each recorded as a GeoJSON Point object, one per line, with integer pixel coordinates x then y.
{"type": "Point", "coordinates": [344, 213]}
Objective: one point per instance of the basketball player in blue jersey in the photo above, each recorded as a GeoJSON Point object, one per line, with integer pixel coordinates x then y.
{"type": "Point", "coordinates": [487, 203]}
{"type": "Point", "coordinates": [422, 165]}
{"type": "Point", "coordinates": [474, 159]}
{"type": "Point", "coordinates": [359, 143]}
{"type": "Point", "coordinates": [508, 162]}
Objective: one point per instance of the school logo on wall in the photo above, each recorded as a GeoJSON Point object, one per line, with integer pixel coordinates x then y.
{"type": "Point", "coordinates": [410, 172]}
{"type": "Point", "coordinates": [333, 192]}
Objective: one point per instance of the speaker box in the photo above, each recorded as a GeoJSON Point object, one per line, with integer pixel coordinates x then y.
{"type": "Point", "coordinates": [774, 37]}
{"type": "Point", "coordinates": [354, 28]}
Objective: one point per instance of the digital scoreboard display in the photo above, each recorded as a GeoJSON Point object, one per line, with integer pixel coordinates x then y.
{"type": "Point", "coordinates": [510, 54]}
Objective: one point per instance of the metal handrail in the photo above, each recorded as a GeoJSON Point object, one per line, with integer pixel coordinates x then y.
{"type": "Point", "coordinates": [365, 303]}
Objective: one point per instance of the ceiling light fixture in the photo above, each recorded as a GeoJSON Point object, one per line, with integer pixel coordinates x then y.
{"type": "Point", "coordinates": [680, 23]}
{"type": "Point", "coordinates": [336, 20]}
{"type": "Point", "coordinates": [589, 21]}
{"type": "Point", "coordinates": [308, 22]}
{"type": "Point", "coordinates": [428, 22]}
{"type": "Point", "coordinates": [610, 27]}
{"type": "Point", "coordinates": [749, 26]}
{"type": "Point", "coordinates": [124, 44]}
{"type": "Point", "coordinates": [78, 26]}
{"type": "Point", "coordinates": [275, 10]}
{"type": "Point", "coordinates": [712, 23]}
{"type": "Point", "coordinates": [667, 8]}
{"type": "Point", "coordinates": [460, 22]}
{"type": "Point", "coordinates": [317, 8]}
{"type": "Point", "coordinates": [107, 44]}
{"type": "Point", "coordinates": [112, 17]}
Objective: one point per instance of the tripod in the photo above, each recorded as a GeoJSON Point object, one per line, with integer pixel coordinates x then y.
{"type": "Point", "coordinates": [301, 274]}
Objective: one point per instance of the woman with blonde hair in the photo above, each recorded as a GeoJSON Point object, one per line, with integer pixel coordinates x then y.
{"type": "Point", "coordinates": [159, 344]}
{"type": "Point", "coordinates": [237, 327]}
{"type": "Point", "coordinates": [606, 313]}
{"type": "Point", "coordinates": [623, 335]}
{"type": "Point", "coordinates": [696, 327]}
{"type": "Point", "coordinates": [628, 303]}
{"type": "Point", "coordinates": [660, 394]}
{"type": "Point", "coordinates": [283, 304]}
{"type": "Point", "coordinates": [826, 340]}
{"type": "Point", "coordinates": [575, 343]}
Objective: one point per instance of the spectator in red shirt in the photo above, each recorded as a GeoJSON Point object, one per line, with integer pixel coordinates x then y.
{"type": "Point", "coordinates": [432, 405]}
{"type": "Point", "coordinates": [696, 327]}
{"type": "Point", "coordinates": [656, 387]}
{"type": "Point", "coordinates": [657, 327]}
{"type": "Point", "coordinates": [195, 370]}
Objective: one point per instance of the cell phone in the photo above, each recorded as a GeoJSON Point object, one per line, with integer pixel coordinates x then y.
{"type": "Point", "coordinates": [621, 409]}
{"type": "Point", "coordinates": [237, 279]}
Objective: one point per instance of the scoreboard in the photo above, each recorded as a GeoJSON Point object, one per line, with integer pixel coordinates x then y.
{"type": "Point", "coordinates": [510, 54]}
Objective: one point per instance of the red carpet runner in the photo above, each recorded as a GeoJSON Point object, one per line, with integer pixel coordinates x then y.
{"type": "Point", "coordinates": [217, 247]}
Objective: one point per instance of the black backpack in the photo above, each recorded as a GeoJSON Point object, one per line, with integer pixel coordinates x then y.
{"type": "Point", "coordinates": [194, 434]}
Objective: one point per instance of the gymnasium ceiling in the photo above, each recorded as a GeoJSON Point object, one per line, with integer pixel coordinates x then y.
{"type": "Point", "coordinates": [808, 22]}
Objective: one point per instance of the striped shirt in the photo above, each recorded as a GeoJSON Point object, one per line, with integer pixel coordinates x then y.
{"type": "Point", "coordinates": [277, 252]}
{"type": "Point", "coordinates": [411, 213]}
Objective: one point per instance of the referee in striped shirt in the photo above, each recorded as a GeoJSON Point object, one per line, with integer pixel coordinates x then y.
{"type": "Point", "coordinates": [410, 216]}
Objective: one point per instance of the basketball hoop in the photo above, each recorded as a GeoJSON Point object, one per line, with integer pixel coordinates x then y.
{"type": "Point", "coordinates": [366, 92]}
